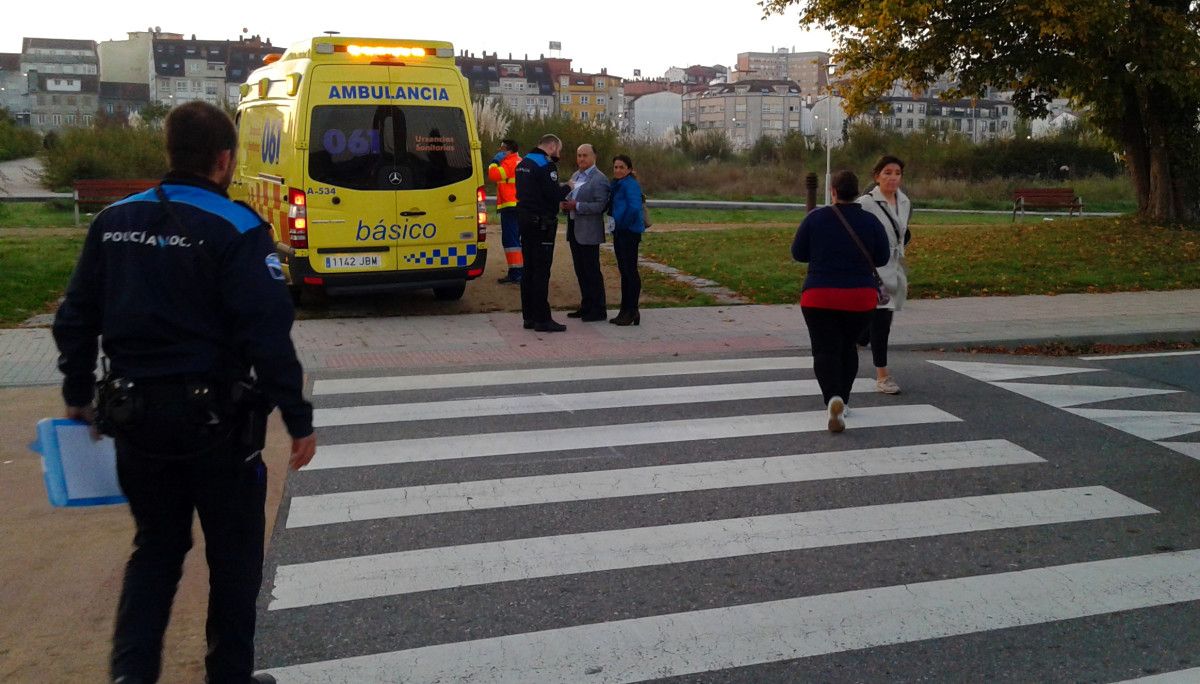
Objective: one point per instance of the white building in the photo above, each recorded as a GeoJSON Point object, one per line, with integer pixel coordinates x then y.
{"type": "Point", "coordinates": [655, 116]}
{"type": "Point", "coordinates": [825, 120]}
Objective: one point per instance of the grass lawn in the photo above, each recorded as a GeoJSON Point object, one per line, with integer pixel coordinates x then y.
{"type": "Point", "coordinates": [753, 216]}
{"type": "Point", "coordinates": [35, 272]}
{"type": "Point", "coordinates": [1092, 255]}
{"type": "Point", "coordinates": [39, 215]}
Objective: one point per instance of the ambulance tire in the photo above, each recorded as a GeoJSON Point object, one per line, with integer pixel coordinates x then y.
{"type": "Point", "coordinates": [308, 296]}
{"type": "Point", "coordinates": [450, 293]}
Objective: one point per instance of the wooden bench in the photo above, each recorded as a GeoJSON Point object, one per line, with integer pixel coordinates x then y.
{"type": "Point", "coordinates": [100, 193]}
{"type": "Point", "coordinates": [1046, 198]}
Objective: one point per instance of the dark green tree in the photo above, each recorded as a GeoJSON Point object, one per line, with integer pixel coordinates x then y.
{"type": "Point", "coordinates": [1134, 65]}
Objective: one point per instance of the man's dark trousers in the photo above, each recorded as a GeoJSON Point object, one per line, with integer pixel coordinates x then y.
{"type": "Point", "coordinates": [228, 492]}
{"type": "Point", "coordinates": [537, 248]}
{"type": "Point", "coordinates": [586, 259]}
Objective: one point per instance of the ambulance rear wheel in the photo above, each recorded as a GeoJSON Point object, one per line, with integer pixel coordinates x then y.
{"type": "Point", "coordinates": [450, 292]}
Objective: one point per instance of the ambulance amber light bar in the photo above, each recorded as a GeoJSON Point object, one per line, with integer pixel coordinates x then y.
{"type": "Point", "coordinates": [383, 51]}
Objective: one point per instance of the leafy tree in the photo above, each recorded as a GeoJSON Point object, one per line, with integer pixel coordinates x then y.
{"type": "Point", "coordinates": [154, 113]}
{"type": "Point", "coordinates": [1131, 63]}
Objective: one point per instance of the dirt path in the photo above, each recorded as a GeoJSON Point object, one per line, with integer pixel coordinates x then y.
{"type": "Point", "coordinates": [62, 567]}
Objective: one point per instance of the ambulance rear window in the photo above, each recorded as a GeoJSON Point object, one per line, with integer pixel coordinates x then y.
{"type": "Point", "coordinates": [388, 147]}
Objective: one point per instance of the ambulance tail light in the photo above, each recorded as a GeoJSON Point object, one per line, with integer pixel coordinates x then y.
{"type": "Point", "coordinates": [481, 213]}
{"type": "Point", "coordinates": [297, 219]}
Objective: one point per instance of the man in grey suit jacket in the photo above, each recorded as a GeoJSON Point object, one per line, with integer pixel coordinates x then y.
{"type": "Point", "coordinates": [585, 207]}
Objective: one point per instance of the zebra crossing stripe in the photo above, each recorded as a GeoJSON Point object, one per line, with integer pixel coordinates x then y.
{"type": "Point", "coordinates": [582, 401]}
{"type": "Point", "coordinates": [1178, 677]}
{"type": "Point", "coordinates": [342, 507]}
{"type": "Point", "coordinates": [628, 434]}
{"type": "Point", "coordinates": [389, 574]}
{"type": "Point", "coordinates": [738, 636]}
{"type": "Point", "coordinates": [574, 374]}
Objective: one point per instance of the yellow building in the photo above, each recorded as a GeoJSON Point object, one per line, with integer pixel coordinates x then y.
{"type": "Point", "coordinates": [591, 97]}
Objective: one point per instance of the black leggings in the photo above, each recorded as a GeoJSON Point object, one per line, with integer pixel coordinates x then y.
{"type": "Point", "coordinates": [877, 334]}
{"type": "Point", "coordinates": [832, 334]}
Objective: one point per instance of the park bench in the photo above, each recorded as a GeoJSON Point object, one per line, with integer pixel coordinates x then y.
{"type": "Point", "coordinates": [1046, 198]}
{"type": "Point", "coordinates": [99, 193]}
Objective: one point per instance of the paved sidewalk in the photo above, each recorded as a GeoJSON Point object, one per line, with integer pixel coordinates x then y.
{"type": "Point", "coordinates": [27, 355]}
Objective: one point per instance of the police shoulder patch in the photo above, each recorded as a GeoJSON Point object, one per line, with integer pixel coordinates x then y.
{"type": "Point", "coordinates": [553, 175]}
{"type": "Point", "coordinates": [274, 268]}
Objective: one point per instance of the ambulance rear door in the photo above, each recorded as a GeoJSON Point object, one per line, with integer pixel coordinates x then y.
{"type": "Point", "coordinates": [433, 169]}
{"type": "Point", "coordinates": [351, 199]}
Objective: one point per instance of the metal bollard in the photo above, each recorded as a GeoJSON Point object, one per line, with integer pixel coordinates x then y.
{"type": "Point", "coordinates": [810, 192]}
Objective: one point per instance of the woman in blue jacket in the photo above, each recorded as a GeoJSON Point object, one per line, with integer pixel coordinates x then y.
{"type": "Point", "coordinates": [627, 235]}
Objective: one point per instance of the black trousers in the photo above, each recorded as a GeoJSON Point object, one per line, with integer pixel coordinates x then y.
{"type": "Point", "coordinates": [537, 248]}
{"type": "Point", "coordinates": [833, 335]}
{"type": "Point", "coordinates": [586, 259]}
{"type": "Point", "coordinates": [876, 335]}
{"type": "Point", "coordinates": [625, 248]}
{"type": "Point", "coordinates": [227, 489]}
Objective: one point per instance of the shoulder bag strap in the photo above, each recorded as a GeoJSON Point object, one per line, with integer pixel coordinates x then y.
{"type": "Point", "coordinates": [888, 214]}
{"type": "Point", "coordinates": [858, 241]}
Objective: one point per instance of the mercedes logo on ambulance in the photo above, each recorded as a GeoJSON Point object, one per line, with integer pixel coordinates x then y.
{"type": "Point", "coordinates": [395, 178]}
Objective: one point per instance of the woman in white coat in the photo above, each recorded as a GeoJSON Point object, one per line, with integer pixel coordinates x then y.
{"type": "Point", "coordinates": [893, 209]}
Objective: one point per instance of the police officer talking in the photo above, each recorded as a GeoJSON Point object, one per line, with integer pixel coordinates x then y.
{"type": "Point", "coordinates": [538, 197]}
{"type": "Point", "coordinates": [185, 290]}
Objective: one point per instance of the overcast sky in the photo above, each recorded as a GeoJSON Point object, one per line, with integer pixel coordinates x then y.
{"type": "Point", "coordinates": [621, 35]}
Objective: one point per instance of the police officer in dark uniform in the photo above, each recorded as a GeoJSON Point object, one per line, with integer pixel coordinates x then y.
{"type": "Point", "coordinates": [539, 195]}
{"type": "Point", "coordinates": [185, 290]}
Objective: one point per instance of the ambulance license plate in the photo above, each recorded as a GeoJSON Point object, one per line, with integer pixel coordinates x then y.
{"type": "Point", "coordinates": [355, 261]}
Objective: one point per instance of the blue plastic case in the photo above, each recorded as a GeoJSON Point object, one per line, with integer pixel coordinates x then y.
{"type": "Point", "coordinates": [85, 474]}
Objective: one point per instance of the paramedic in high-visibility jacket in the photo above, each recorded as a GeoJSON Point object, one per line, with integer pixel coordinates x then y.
{"type": "Point", "coordinates": [539, 195]}
{"type": "Point", "coordinates": [185, 291]}
{"type": "Point", "coordinates": [503, 172]}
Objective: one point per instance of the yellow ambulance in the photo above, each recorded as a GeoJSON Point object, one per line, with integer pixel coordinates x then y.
{"type": "Point", "coordinates": [364, 156]}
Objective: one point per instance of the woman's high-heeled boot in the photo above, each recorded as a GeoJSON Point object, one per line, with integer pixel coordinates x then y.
{"type": "Point", "coordinates": [627, 318]}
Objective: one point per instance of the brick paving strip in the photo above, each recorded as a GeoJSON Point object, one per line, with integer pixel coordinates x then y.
{"type": "Point", "coordinates": [362, 345]}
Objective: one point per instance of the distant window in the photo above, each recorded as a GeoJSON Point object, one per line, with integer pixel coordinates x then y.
{"type": "Point", "coordinates": [584, 99]}
{"type": "Point", "coordinates": [583, 116]}
{"type": "Point", "coordinates": [564, 99]}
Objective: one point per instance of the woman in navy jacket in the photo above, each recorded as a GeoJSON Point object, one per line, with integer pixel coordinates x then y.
{"type": "Point", "coordinates": [626, 194]}
{"type": "Point", "coordinates": [839, 296]}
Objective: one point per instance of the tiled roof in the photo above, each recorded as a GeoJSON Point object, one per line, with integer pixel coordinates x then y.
{"type": "Point", "coordinates": [58, 44]}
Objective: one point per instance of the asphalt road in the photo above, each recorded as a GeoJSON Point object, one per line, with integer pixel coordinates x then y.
{"type": "Point", "coordinates": [1005, 519]}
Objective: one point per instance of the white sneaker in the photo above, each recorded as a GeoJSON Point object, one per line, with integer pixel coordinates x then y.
{"type": "Point", "coordinates": [837, 411]}
{"type": "Point", "coordinates": [887, 385]}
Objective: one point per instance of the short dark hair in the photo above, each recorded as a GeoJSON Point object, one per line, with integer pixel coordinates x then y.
{"type": "Point", "coordinates": [845, 185]}
{"type": "Point", "coordinates": [884, 161]}
{"type": "Point", "coordinates": [549, 138]}
{"type": "Point", "coordinates": [509, 144]}
{"type": "Point", "coordinates": [197, 133]}
{"type": "Point", "coordinates": [624, 158]}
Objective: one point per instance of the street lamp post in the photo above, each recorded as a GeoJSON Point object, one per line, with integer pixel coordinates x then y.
{"type": "Point", "coordinates": [829, 68]}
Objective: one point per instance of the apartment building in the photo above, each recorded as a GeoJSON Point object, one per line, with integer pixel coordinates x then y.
{"type": "Point", "coordinates": [208, 70]}
{"type": "Point", "coordinates": [14, 87]}
{"type": "Point", "coordinates": [63, 81]}
{"type": "Point", "coordinates": [591, 97]}
{"type": "Point", "coordinates": [747, 110]}
{"type": "Point", "coordinates": [809, 70]}
{"type": "Point", "coordinates": [523, 86]}
{"type": "Point", "coordinates": [977, 120]}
